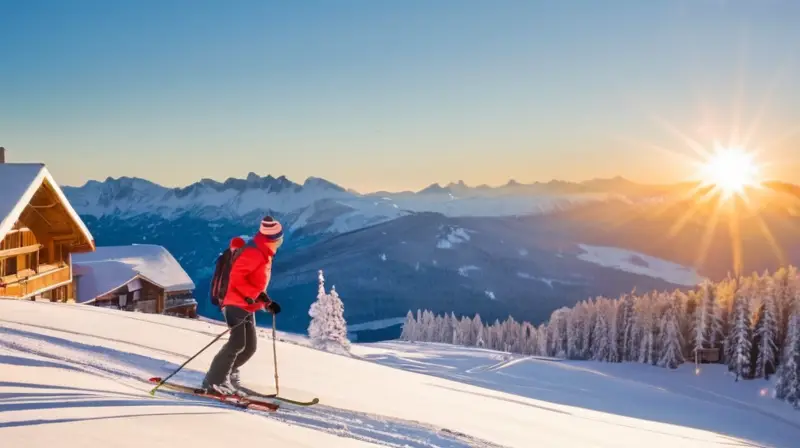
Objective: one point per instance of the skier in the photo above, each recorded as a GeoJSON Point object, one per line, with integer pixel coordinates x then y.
{"type": "Point", "coordinates": [249, 277]}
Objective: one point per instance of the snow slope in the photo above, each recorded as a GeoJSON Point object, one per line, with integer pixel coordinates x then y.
{"type": "Point", "coordinates": [638, 263]}
{"type": "Point", "coordinates": [72, 375]}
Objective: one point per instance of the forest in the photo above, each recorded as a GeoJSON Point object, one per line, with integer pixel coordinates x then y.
{"type": "Point", "coordinates": [750, 323]}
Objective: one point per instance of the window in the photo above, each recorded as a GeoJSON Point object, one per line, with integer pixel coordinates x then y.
{"type": "Point", "coordinates": [9, 266]}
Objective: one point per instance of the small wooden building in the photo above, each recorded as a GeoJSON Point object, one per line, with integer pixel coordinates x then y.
{"type": "Point", "coordinates": [39, 233]}
{"type": "Point", "coordinates": [141, 277]}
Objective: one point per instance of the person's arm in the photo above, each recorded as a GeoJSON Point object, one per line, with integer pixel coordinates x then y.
{"type": "Point", "coordinates": [247, 262]}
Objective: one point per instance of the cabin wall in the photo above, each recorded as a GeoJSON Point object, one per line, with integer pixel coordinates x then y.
{"type": "Point", "coordinates": [144, 300]}
{"type": "Point", "coordinates": [19, 251]}
{"type": "Point", "coordinates": [29, 268]}
{"type": "Point", "coordinates": [180, 303]}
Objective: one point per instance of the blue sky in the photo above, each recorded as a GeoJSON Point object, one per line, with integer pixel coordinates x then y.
{"type": "Point", "coordinates": [394, 95]}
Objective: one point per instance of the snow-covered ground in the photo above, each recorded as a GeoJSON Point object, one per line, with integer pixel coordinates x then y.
{"type": "Point", "coordinates": [72, 375]}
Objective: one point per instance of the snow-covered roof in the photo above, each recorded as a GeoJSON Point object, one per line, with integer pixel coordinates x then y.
{"type": "Point", "coordinates": [18, 183]}
{"type": "Point", "coordinates": [110, 267]}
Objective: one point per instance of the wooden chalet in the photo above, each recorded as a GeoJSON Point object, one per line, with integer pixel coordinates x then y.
{"type": "Point", "coordinates": [142, 277]}
{"type": "Point", "coordinates": [39, 233]}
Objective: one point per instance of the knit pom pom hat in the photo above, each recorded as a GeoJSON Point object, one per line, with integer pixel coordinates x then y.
{"type": "Point", "coordinates": [271, 229]}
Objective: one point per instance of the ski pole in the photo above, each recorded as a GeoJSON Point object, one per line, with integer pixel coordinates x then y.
{"type": "Point", "coordinates": [153, 391]}
{"type": "Point", "coordinates": [275, 355]}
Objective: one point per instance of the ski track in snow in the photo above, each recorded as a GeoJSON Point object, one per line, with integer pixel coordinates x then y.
{"type": "Point", "coordinates": [20, 345]}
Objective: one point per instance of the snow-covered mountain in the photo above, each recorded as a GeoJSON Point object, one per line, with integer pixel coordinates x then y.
{"type": "Point", "coordinates": [76, 376]}
{"type": "Point", "coordinates": [238, 197]}
{"type": "Point", "coordinates": [516, 249]}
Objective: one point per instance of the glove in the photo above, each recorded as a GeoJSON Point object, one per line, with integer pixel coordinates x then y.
{"type": "Point", "coordinates": [273, 307]}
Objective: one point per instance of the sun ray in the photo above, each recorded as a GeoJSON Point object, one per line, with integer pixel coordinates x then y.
{"type": "Point", "coordinates": [696, 206]}
{"type": "Point", "coordinates": [763, 105]}
{"type": "Point", "coordinates": [736, 239]}
{"type": "Point", "coordinates": [765, 231]}
{"type": "Point", "coordinates": [708, 233]}
{"type": "Point", "coordinates": [699, 149]}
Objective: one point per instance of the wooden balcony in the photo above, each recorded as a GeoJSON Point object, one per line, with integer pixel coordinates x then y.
{"type": "Point", "coordinates": [27, 282]}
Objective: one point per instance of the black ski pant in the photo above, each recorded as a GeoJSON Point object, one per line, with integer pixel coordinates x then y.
{"type": "Point", "coordinates": [240, 347]}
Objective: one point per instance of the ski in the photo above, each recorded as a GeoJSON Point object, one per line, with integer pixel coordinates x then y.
{"type": "Point", "coordinates": [245, 402]}
{"type": "Point", "coordinates": [253, 393]}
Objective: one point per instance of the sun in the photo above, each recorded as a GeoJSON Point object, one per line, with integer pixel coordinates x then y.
{"type": "Point", "coordinates": [731, 170]}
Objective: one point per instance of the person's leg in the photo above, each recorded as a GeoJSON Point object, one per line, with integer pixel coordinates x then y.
{"type": "Point", "coordinates": [251, 342]}
{"type": "Point", "coordinates": [237, 339]}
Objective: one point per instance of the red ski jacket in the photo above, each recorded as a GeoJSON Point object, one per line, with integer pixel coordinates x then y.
{"type": "Point", "coordinates": [250, 274]}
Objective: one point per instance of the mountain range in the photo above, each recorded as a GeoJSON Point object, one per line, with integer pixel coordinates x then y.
{"type": "Point", "coordinates": [517, 249]}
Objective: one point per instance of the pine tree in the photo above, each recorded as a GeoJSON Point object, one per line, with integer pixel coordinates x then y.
{"type": "Point", "coordinates": [588, 329]}
{"type": "Point", "coordinates": [784, 290]}
{"type": "Point", "coordinates": [409, 328]}
{"type": "Point", "coordinates": [458, 336]}
{"type": "Point", "coordinates": [438, 327]}
{"type": "Point", "coordinates": [573, 334]}
{"type": "Point", "coordinates": [465, 331]}
{"type": "Point", "coordinates": [722, 316]}
{"type": "Point", "coordinates": [614, 354]}
{"type": "Point", "coordinates": [446, 332]}
{"type": "Point", "coordinates": [626, 326]}
{"type": "Point", "coordinates": [703, 316]}
{"type": "Point", "coordinates": [740, 337]}
{"type": "Point", "coordinates": [646, 325]}
{"type": "Point", "coordinates": [328, 329]}
{"type": "Point", "coordinates": [766, 333]}
{"type": "Point", "coordinates": [601, 345]}
{"type": "Point", "coordinates": [671, 338]}
{"type": "Point", "coordinates": [558, 333]}
{"type": "Point", "coordinates": [543, 342]}
{"type": "Point", "coordinates": [787, 385]}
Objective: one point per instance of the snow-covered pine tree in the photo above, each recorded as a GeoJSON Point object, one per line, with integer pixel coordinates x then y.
{"type": "Point", "coordinates": [558, 330]}
{"type": "Point", "coordinates": [784, 289]}
{"type": "Point", "coordinates": [476, 330]}
{"type": "Point", "coordinates": [465, 331]}
{"type": "Point", "coordinates": [625, 325]}
{"type": "Point", "coordinates": [787, 385]}
{"type": "Point", "coordinates": [765, 336]}
{"type": "Point", "coordinates": [739, 340]}
{"type": "Point", "coordinates": [328, 329]}
{"type": "Point", "coordinates": [409, 328]}
{"type": "Point", "coordinates": [479, 341]}
{"type": "Point", "coordinates": [703, 315]}
{"type": "Point", "coordinates": [613, 332]}
{"type": "Point", "coordinates": [671, 338]}
{"type": "Point", "coordinates": [446, 331]}
{"type": "Point", "coordinates": [458, 338]}
{"type": "Point", "coordinates": [573, 333]}
{"type": "Point", "coordinates": [721, 318]}
{"type": "Point", "coordinates": [589, 322]}
{"type": "Point", "coordinates": [453, 322]}
{"type": "Point", "coordinates": [543, 343]}
{"type": "Point", "coordinates": [429, 326]}
{"type": "Point", "coordinates": [601, 344]}
{"type": "Point", "coordinates": [529, 332]}
{"type": "Point", "coordinates": [646, 325]}
{"type": "Point", "coordinates": [438, 326]}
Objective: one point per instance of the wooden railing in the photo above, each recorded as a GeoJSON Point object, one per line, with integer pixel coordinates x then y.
{"type": "Point", "coordinates": [33, 284]}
